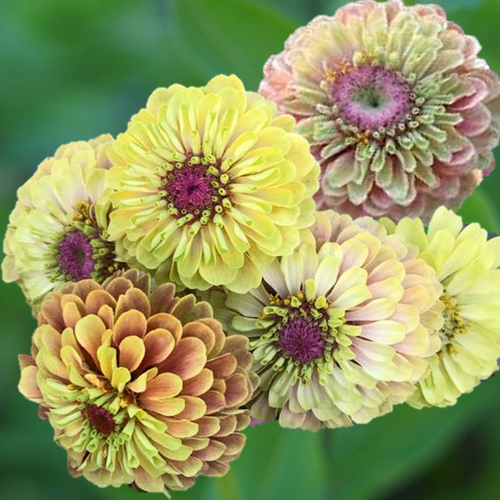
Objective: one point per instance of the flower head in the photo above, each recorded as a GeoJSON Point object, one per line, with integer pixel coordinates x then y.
{"type": "Point", "coordinates": [57, 231]}
{"type": "Point", "coordinates": [400, 112]}
{"type": "Point", "coordinates": [466, 264]}
{"type": "Point", "coordinates": [342, 329]}
{"type": "Point", "coordinates": [210, 185]}
{"type": "Point", "coordinates": [141, 387]}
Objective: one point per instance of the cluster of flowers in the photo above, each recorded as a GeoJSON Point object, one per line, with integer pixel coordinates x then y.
{"type": "Point", "coordinates": [185, 277]}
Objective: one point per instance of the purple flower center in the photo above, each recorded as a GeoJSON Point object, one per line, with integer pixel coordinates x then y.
{"type": "Point", "coordinates": [75, 256]}
{"type": "Point", "coordinates": [99, 419]}
{"type": "Point", "coordinates": [191, 189]}
{"type": "Point", "coordinates": [372, 97]}
{"type": "Point", "coordinates": [302, 341]}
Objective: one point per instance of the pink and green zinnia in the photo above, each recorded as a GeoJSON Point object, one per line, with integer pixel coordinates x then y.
{"type": "Point", "coordinates": [400, 112]}
{"type": "Point", "coordinates": [342, 329]}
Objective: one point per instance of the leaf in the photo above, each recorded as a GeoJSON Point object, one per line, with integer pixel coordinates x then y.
{"type": "Point", "coordinates": [230, 36]}
{"type": "Point", "coordinates": [281, 463]}
{"type": "Point", "coordinates": [448, 5]}
{"type": "Point", "coordinates": [480, 208]}
{"type": "Point", "coordinates": [303, 10]}
{"type": "Point", "coordinates": [368, 460]}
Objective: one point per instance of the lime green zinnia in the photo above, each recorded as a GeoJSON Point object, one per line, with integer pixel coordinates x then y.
{"type": "Point", "coordinates": [210, 185]}
{"type": "Point", "coordinates": [340, 330]}
{"type": "Point", "coordinates": [466, 265]}
{"type": "Point", "coordinates": [57, 231]}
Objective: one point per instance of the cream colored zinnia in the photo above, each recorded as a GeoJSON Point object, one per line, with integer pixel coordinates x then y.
{"type": "Point", "coordinates": [466, 264]}
{"type": "Point", "coordinates": [340, 330]}
{"type": "Point", "coordinates": [58, 230]}
{"type": "Point", "coordinates": [210, 186]}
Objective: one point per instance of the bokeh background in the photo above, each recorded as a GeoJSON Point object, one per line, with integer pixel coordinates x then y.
{"type": "Point", "coordinates": [71, 70]}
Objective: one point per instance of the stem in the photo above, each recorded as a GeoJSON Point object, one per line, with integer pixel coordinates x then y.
{"type": "Point", "coordinates": [328, 443]}
{"type": "Point", "coordinates": [227, 487]}
{"type": "Point", "coordinates": [328, 450]}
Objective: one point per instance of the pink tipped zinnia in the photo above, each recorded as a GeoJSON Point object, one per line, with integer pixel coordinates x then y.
{"type": "Point", "coordinates": [400, 112]}
{"type": "Point", "coordinates": [342, 329]}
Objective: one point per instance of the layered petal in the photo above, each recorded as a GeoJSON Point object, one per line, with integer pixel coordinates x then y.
{"type": "Point", "coordinates": [340, 330]}
{"type": "Point", "coordinates": [58, 230]}
{"type": "Point", "coordinates": [137, 395]}
{"type": "Point", "coordinates": [210, 186]}
{"type": "Point", "coordinates": [466, 264]}
{"type": "Point", "coordinates": [398, 108]}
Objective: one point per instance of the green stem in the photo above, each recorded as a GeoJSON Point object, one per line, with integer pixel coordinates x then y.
{"type": "Point", "coordinates": [227, 487]}
{"type": "Point", "coordinates": [327, 441]}
{"type": "Point", "coordinates": [328, 446]}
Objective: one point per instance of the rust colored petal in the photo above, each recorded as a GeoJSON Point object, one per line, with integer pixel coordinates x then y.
{"type": "Point", "coordinates": [199, 384]}
{"type": "Point", "coordinates": [159, 345]}
{"type": "Point", "coordinates": [131, 322]}
{"type": "Point", "coordinates": [164, 385]}
{"type": "Point", "coordinates": [132, 350]}
{"type": "Point", "coordinates": [98, 298]}
{"type": "Point", "coordinates": [166, 322]}
{"type": "Point", "coordinates": [187, 359]}
{"type": "Point", "coordinates": [134, 299]}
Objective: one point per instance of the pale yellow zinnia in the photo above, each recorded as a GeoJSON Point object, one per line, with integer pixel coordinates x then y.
{"type": "Point", "coordinates": [466, 264]}
{"type": "Point", "coordinates": [57, 232]}
{"type": "Point", "coordinates": [210, 186]}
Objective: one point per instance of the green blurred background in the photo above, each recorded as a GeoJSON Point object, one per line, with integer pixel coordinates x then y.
{"type": "Point", "coordinates": [74, 69]}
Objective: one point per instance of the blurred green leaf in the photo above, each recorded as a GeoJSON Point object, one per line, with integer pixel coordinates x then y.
{"type": "Point", "coordinates": [298, 9]}
{"type": "Point", "coordinates": [288, 464]}
{"type": "Point", "coordinates": [486, 484]}
{"type": "Point", "coordinates": [231, 36]}
{"type": "Point", "coordinates": [448, 5]}
{"type": "Point", "coordinates": [73, 70]}
{"type": "Point", "coordinates": [398, 446]}
{"type": "Point", "coordinates": [480, 208]}
{"type": "Point", "coordinates": [473, 463]}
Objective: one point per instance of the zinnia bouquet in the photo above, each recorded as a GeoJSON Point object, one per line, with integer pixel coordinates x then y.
{"type": "Point", "coordinates": [286, 255]}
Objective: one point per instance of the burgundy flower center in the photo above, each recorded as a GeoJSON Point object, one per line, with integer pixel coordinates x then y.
{"type": "Point", "coordinates": [196, 189]}
{"type": "Point", "coordinates": [302, 340]}
{"type": "Point", "coordinates": [372, 97]}
{"type": "Point", "coordinates": [191, 189]}
{"type": "Point", "coordinates": [76, 256]}
{"type": "Point", "coordinates": [99, 419]}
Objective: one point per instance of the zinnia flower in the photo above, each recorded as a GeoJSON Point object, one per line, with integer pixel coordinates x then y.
{"type": "Point", "coordinates": [466, 264]}
{"type": "Point", "coordinates": [210, 185]}
{"type": "Point", "coordinates": [57, 231]}
{"type": "Point", "coordinates": [400, 112]}
{"type": "Point", "coordinates": [340, 330]}
{"type": "Point", "coordinates": [141, 388]}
